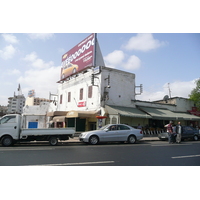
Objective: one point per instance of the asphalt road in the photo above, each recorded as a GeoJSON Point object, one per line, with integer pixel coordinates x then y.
{"type": "Point", "coordinates": [144, 153]}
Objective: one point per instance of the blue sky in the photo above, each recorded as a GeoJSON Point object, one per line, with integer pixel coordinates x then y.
{"type": "Point", "coordinates": [167, 52]}
{"type": "Point", "coordinates": [34, 61]}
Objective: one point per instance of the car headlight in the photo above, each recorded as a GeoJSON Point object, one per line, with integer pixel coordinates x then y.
{"type": "Point", "coordinates": [83, 134]}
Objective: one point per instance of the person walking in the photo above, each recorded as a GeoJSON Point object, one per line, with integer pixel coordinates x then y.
{"type": "Point", "coordinates": [179, 131]}
{"type": "Point", "coordinates": [170, 132]}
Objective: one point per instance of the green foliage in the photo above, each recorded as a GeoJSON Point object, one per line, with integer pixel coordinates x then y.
{"type": "Point", "coordinates": [195, 94]}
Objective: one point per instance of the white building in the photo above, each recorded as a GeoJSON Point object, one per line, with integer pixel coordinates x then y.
{"type": "Point", "coordinates": [111, 93]}
{"type": "Point", "coordinates": [88, 94]}
{"type": "Point", "coordinates": [16, 103]}
{"type": "Point", "coordinates": [36, 116]}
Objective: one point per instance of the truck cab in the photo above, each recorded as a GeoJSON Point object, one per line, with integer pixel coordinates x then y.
{"type": "Point", "coordinates": [9, 128]}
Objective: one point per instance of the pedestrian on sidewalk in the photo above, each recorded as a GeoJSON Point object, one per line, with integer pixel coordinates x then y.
{"type": "Point", "coordinates": [170, 132]}
{"type": "Point", "coordinates": [179, 131]}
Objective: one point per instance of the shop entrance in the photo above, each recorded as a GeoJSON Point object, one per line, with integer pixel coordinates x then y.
{"type": "Point", "coordinates": [79, 123]}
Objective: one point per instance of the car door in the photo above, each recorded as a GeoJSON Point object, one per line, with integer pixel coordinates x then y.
{"type": "Point", "coordinates": [123, 132]}
{"type": "Point", "coordinates": [8, 125]}
{"type": "Point", "coordinates": [110, 135]}
{"type": "Point", "coordinates": [188, 132]}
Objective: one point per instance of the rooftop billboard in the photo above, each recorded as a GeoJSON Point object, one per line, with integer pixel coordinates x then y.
{"type": "Point", "coordinates": [79, 57]}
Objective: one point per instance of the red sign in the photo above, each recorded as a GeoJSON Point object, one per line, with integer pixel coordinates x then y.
{"type": "Point", "coordinates": [82, 104]}
{"type": "Point", "coordinates": [194, 111]}
{"type": "Point", "coordinates": [79, 57]}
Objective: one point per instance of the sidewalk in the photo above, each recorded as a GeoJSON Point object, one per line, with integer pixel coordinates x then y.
{"type": "Point", "coordinates": [145, 138]}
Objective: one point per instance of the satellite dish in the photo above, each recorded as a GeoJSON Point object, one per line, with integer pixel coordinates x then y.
{"type": "Point", "coordinates": [166, 98]}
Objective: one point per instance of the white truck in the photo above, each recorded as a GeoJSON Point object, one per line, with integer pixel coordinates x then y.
{"type": "Point", "coordinates": [11, 132]}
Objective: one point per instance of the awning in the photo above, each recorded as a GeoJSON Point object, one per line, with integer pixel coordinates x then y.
{"type": "Point", "coordinates": [165, 114]}
{"type": "Point", "coordinates": [187, 116]}
{"type": "Point", "coordinates": [160, 113]}
{"type": "Point", "coordinates": [82, 114]}
{"type": "Point", "coordinates": [126, 111]}
{"type": "Point", "coordinates": [59, 119]}
{"type": "Point", "coordinates": [57, 113]}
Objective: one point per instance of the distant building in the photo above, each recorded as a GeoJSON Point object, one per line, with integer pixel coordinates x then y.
{"type": "Point", "coordinates": [3, 110]}
{"type": "Point", "coordinates": [16, 103]}
{"type": "Point", "coordinates": [34, 101]}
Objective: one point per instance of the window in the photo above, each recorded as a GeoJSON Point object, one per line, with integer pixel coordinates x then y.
{"type": "Point", "coordinates": [90, 91]}
{"type": "Point", "coordinates": [61, 98]}
{"type": "Point", "coordinates": [8, 119]}
{"type": "Point", "coordinates": [122, 127]}
{"type": "Point", "coordinates": [81, 94]}
{"type": "Point", "coordinates": [69, 96]}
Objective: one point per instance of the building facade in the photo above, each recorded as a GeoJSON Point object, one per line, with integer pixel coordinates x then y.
{"type": "Point", "coordinates": [101, 95]}
{"type": "Point", "coordinates": [16, 104]}
{"type": "Point", "coordinates": [33, 101]}
{"type": "Point", "coordinates": [85, 94]}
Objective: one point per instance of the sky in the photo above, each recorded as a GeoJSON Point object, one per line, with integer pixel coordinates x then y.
{"type": "Point", "coordinates": [160, 61]}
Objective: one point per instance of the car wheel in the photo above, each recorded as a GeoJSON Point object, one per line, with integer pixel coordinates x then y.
{"type": "Point", "coordinates": [195, 138]}
{"type": "Point", "coordinates": [131, 139]}
{"type": "Point", "coordinates": [53, 141]}
{"type": "Point", "coordinates": [93, 140]}
{"type": "Point", "coordinates": [7, 141]}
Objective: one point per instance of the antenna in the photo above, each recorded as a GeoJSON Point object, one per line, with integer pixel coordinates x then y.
{"type": "Point", "coordinates": [169, 90]}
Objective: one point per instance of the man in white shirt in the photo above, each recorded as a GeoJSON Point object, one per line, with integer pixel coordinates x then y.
{"type": "Point", "coordinates": [179, 131]}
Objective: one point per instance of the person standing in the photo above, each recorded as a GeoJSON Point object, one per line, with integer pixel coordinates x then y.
{"type": "Point", "coordinates": [170, 131]}
{"type": "Point", "coordinates": [179, 131]}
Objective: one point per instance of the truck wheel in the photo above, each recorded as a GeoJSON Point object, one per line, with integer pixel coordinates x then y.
{"type": "Point", "coordinates": [53, 141]}
{"type": "Point", "coordinates": [7, 141]}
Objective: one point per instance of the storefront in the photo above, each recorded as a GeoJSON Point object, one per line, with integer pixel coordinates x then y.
{"type": "Point", "coordinates": [151, 119]}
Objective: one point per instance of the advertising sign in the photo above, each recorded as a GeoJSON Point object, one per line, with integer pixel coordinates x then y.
{"type": "Point", "coordinates": [79, 57]}
{"type": "Point", "coordinates": [31, 93]}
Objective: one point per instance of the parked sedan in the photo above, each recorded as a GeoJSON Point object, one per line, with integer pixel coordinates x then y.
{"type": "Point", "coordinates": [112, 133]}
{"type": "Point", "coordinates": [188, 133]}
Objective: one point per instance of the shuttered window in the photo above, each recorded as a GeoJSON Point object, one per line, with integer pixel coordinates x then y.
{"type": "Point", "coordinates": [90, 91]}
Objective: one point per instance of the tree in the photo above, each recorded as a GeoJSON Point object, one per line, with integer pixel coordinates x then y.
{"type": "Point", "coordinates": [195, 94]}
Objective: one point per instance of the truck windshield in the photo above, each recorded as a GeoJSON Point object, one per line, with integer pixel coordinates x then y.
{"type": "Point", "coordinates": [8, 119]}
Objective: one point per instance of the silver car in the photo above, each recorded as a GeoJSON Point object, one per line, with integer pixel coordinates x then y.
{"type": "Point", "coordinates": [112, 133]}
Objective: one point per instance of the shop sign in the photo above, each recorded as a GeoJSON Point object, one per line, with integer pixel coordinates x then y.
{"type": "Point", "coordinates": [81, 103]}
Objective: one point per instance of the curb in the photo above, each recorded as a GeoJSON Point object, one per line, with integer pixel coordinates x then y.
{"type": "Point", "coordinates": [76, 139]}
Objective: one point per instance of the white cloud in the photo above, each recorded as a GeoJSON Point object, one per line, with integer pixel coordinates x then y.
{"type": "Point", "coordinates": [143, 42]}
{"type": "Point", "coordinates": [10, 38]}
{"type": "Point", "coordinates": [115, 58]}
{"type": "Point", "coordinates": [133, 63]}
{"type": "Point", "coordinates": [13, 72]}
{"type": "Point", "coordinates": [42, 81]}
{"type": "Point", "coordinates": [42, 77]}
{"type": "Point", "coordinates": [40, 36]}
{"type": "Point", "coordinates": [177, 88]}
{"type": "Point", "coordinates": [36, 62]}
{"type": "Point", "coordinates": [8, 52]}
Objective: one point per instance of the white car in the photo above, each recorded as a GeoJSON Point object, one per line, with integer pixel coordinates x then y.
{"type": "Point", "coordinates": [112, 133]}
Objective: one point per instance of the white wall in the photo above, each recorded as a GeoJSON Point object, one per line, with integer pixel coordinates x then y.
{"type": "Point", "coordinates": [74, 85]}
{"type": "Point", "coordinates": [121, 91]}
{"type": "Point", "coordinates": [122, 87]}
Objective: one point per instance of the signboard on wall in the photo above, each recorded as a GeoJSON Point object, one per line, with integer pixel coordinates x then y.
{"type": "Point", "coordinates": [31, 93]}
{"type": "Point", "coordinates": [79, 57]}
